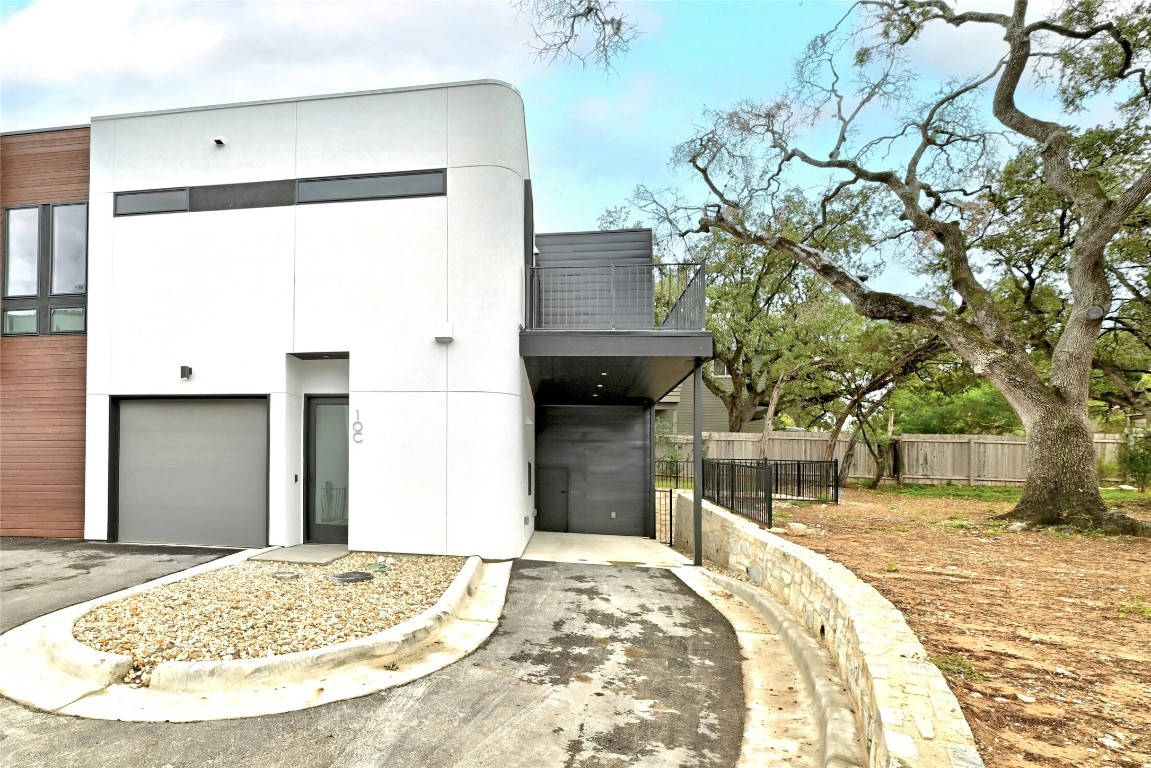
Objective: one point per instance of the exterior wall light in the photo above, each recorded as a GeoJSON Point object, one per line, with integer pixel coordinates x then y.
{"type": "Point", "coordinates": [185, 372]}
{"type": "Point", "coordinates": [444, 332]}
{"type": "Point", "coordinates": [219, 141]}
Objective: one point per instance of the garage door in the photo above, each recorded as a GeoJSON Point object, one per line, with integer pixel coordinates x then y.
{"type": "Point", "coordinates": [193, 472]}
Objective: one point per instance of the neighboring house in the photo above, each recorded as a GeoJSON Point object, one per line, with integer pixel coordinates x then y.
{"type": "Point", "coordinates": [43, 193]}
{"type": "Point", "coordinates": [677, 408]}
{"type": "Point", "coordinates": [330, 319]}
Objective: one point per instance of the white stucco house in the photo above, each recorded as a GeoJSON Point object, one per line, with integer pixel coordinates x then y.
{"type": "Point", "coordinates": [330, 319]}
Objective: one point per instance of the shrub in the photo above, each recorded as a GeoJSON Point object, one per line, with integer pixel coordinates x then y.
{"type": "Point", "coordinates": [1135, 461]}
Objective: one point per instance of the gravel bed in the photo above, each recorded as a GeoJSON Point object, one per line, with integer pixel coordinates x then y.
{"type": "Point", "coordinates": [244, 611]}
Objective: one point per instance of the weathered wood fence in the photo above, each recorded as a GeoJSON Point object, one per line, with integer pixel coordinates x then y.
{"type": "Point", "coordinates": [924, 459]}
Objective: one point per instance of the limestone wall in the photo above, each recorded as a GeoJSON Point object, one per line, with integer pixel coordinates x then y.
{"type": "Point", "coordinates": [908, 715]}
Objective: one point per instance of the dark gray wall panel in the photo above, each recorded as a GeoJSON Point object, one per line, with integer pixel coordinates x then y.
{"type": "Point", "coordinates": [594, 280]}
{"type": "Point", "coordinates": [607, 452]}
{"type": "Point", "coordinates": [228, 197]}
{"type": "Point", "coordinates": [193, 472]}
{"type": "Point", "coordinates": [622, 246]}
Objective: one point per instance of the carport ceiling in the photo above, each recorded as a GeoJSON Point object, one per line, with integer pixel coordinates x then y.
{"type": "Point", "coordinates": [608, 368]}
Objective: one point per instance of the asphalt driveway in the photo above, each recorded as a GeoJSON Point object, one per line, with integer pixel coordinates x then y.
{"type": "Point", "coordinates": [38, 576]}
{"type": "Point", "coordinates": [592, 666]}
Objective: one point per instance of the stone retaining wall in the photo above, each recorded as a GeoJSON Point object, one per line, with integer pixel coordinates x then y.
{"type": "Point", "coordinates": [908, 716]}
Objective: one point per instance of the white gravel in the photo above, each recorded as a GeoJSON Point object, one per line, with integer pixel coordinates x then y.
{"type": "Point", "coordinates": [243, 611]}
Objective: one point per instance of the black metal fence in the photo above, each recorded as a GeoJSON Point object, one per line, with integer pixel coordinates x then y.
{"type": "Point", "coordinates": [674, 473]}
{"type": "Point", "coordinates": [749, 488]}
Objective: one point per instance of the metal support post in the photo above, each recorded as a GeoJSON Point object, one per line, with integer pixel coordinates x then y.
{"type": "Point", "coordinates": [697, 458]}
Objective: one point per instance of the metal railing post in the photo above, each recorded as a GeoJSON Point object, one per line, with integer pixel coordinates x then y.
{"type": "Point", "coordinates": [769, 492]}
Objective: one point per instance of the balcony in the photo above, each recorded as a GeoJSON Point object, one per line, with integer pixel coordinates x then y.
{"type": "Point", "coordinates": [617, 297]}
{"type": "Point", "coordinates": [613, 334]}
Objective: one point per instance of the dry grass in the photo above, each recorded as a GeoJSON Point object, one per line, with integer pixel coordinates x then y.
{"type": "Point", "coordinates": [1054, 617]}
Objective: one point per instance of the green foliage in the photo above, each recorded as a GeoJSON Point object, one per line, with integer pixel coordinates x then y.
{"type": "Point", "coordinates": [956, 664]}
{"type": "Point", "coordinates": [928, 409]}
{"type": "Point", "coordinates": [990, 493]}
{"type": "Point", "coordinates": [767, 316]}
{"type": "Point", "coordinates": [1136, 607]}
{"type": "Point", "coordinates": [1135, 461]}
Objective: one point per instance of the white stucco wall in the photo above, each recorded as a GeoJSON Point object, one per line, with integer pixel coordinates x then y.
{"type": "Point", "coordinates": [234, 293]}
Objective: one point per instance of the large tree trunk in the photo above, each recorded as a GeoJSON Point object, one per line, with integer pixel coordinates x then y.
{"type": "Point", "coordinates": [1062, 487]}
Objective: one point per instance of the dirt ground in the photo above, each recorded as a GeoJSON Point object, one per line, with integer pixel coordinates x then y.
{"type": "Point", "coordinates": [1045, 637]}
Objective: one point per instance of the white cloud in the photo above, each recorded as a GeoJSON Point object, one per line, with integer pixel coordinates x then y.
{"type": "Point", "coordinates": [65, 61]}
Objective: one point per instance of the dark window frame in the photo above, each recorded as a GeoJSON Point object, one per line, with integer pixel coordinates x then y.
{"type": "Point", "coordinates": [441, 172]}
{"type": "Point", "coordinates": [118, 196]}
{"type": "Point", "coordinates": [44, 301]}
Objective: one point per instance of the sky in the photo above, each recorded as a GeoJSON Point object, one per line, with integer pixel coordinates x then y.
{"type": "Point", "coordinates": [592, 136]}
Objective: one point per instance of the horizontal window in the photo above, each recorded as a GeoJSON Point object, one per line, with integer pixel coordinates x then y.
{"type": "Point", "coordinates": [67, 320]}
{"type": "Point", "coordinates": [419, 184]}
{"type": "Point", "coordinates": [156, 201]}
{"type": "Point", "coordinates": [20, 322]}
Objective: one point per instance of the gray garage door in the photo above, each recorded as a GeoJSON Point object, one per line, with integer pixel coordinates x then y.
{"type": "Point", "coordinates": [193, 472]}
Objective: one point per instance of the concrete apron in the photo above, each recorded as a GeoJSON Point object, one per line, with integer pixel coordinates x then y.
{"type": "Point", "coordinates": [43, 666]}
{"type": "Point", "coordinates": [796, 712]}
{"type": "Point", "coordinates": [797, 708]}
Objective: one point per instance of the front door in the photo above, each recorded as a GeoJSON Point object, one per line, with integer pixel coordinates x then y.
{"type": "Point", "coordinates": [327, 480]}
{"type": "Point", "coordinates": [552, 487]}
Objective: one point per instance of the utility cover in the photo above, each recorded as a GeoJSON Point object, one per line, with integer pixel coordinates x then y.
{"type": "Point", "coordinates": [349, 577]}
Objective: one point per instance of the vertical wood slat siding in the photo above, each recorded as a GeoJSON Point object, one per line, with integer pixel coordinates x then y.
{"type": "Point", "coordinates": [42, 378]}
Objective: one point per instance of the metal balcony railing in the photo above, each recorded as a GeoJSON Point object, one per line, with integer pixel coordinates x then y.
{"type": "Point", "coordinates": [617, 297]}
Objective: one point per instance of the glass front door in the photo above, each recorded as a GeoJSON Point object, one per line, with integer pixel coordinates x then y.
{"type": "Point", "coordinates": [327, 486]}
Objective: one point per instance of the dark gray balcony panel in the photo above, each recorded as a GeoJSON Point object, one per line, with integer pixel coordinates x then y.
{"type": "Point", "coordinates": [621, 246]}
{"type": "Point", "coordinates": [609, 367]}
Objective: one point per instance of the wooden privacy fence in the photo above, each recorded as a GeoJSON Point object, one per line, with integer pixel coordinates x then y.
{"type": "Point", "coordinates": [924, 459]}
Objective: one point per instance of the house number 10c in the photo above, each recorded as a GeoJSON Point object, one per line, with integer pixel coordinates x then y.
{"type": "Point", "coordinates": [357, 429]}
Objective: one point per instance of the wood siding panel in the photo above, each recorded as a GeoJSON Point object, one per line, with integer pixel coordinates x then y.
{"type": "Point", "coordinates": [42, 378]}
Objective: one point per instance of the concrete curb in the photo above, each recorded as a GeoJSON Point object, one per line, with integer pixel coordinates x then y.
{"type": "Point", "coordinates": [841, 739]}
{"type": "Point", "coordinates": [392, 644]}
{"type": "Point", "coordinates": [68, 677]}
{"type": "Point", "coordinates": [43, 666]}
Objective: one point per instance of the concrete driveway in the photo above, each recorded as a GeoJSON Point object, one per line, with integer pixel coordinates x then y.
{"type": "Point", "coordinates": [38, 576]}
{"type": "Point", "coordinates": [591, 666]}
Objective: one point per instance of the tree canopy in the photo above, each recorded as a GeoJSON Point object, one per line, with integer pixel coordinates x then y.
{"type": "Point", "coordinates": [1019, 191]}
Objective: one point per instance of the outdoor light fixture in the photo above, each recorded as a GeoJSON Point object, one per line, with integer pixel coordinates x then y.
{"type": "Point", "coordinates": [444, 332]}
{"type": "Point", "coordinates": [219, 141]}
{"type": "Point", "coordinates": [185, 372]}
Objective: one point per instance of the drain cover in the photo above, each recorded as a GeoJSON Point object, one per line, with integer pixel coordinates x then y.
{"type": "Point", "coordinates": [286, 575]}
{"type": "Point", "coordinates": [349, 577]}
